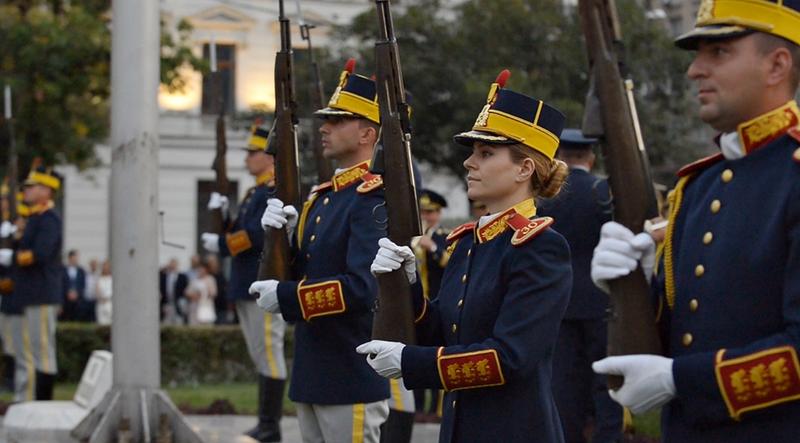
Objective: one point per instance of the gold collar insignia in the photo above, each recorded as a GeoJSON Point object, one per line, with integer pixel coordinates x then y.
{"type": "Point", "coordinates": [767, 127]}
{"type": "Point", "coordinates": [349, 176]}
{"type": "Point", "coordinates": [499, 223]}
{"type": "Point", "coordinates": [265, 178]}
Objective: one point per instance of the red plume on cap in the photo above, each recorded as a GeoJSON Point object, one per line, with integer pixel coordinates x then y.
{"type": "Point", "coordinates": [350, 66]}
{"type": "Point", "coordinates": [502, 77]}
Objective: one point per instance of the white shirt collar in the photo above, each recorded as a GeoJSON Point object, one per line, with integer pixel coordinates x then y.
{"type": "Point", "coordinates": [731, 146]}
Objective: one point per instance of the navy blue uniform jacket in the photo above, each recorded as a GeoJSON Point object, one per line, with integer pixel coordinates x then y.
{"type": "Point", "coordinates": [332, 299]}
{"type": "Point", "coordinates": [38, 277]}
{"type": "Point", "coordinates": [431, 264]}
{"type": "Point", "coordinates": [579, 212]}
{"type": "Point", "coordinates": [729, 292]}
{"type": "Point", "coordinates": [245, 240]}
{"type": "Point", "coordinates": [488, 338]}
{"type": "Point", "coordinates": [9, 304]}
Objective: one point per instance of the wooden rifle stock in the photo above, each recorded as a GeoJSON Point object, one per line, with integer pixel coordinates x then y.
{"type": "Point", "coordinates": [324, 166]}
{"type": "Point", "coordinates": [220, 165]}
{"type": "Point", "coordinates": [394, 315]}
{"type": "Point", "coordinates": [12, 170]}
{"type": "Point", "coordinates": [276, 254]}
{"type": "Point", "coordinates": [631, 323]}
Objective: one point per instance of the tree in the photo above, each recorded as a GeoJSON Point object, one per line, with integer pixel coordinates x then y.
{"type": "Point", "coordinates": [56, 57]}
{"type": "Point", "coordinates": [450, 55]}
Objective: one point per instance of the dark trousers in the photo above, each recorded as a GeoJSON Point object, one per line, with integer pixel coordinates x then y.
{"type": "Point", "coordinates": [580, 394]}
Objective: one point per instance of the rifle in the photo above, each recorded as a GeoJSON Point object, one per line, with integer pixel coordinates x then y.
{"type": "Point", "coordinates": [324, 166]}
{"type": "Point", "coordinates": [275, 257]}
{"type": "Point", "coordinates": [12, 171]}
{"type": "Point", "coordinates": [631, 324]}
{"type": "Point", "coordinates": [219, 166]}
{"type": "Point", "coordinates": [394, 314]}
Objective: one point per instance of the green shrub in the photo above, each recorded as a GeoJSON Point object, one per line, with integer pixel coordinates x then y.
{"type": "Point", "coordinates": [189, 355]}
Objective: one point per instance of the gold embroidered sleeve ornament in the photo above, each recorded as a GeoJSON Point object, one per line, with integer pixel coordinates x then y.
{"type": "Point", "coordinates": [320, 299]}
{"type": "Point", "coordinates": [238, 242]}
{"type": "Point", "coordinates": [470, 370]}
{"type": "Point", "coordinates": [758, 380]}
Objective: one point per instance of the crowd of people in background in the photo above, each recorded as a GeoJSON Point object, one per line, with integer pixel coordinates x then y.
{"type": "Point", "coordinates": [87, 292]}
{"type": "Point", "coordinates": [193, 296]}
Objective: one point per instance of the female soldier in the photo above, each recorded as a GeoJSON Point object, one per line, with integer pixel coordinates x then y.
{"type": "Point", "coordinates": [488, 339]}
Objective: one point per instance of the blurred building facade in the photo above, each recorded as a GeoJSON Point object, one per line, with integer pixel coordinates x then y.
{"type": "Point", "coordinates": [246, 37]}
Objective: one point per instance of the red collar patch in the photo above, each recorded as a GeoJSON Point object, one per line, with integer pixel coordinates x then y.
{"type": "Point", "coordinates": [699, 165]}
{"type": "Point", "coordinates": [460, 231]}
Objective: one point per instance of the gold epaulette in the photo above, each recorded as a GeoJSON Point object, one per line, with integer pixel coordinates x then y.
{"type": "Point", "coordinates": [316, 189]}
{"type": "Point", "coordinates": [699, 165]}
{"type": "Point", "coordinates": [371, 183]}
{"type": "Point", "coordinates": [526, 229]}
{"type": "Point", "coordinates": [460, 231]}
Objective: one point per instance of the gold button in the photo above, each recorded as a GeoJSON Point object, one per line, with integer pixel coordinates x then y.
{"type": "Point", "coordinates": [687, 339]}
{"type": "Point", "coordinates": [693, 304]}
{"type": "Point", "coordinates": [461, 303]}
{"type": "Point", "coordinates": [318, 219]}
{"type": "Point", "coordinates": [727, 175]}
{"type": "Point", "coordinates": [715, 205]}
{"type": "Point", "coordinates": [464, 278]}
{"type": "Point", "coordinates": [796, 155]}
{"type": "Point", "coordinates": [455, 328]}
{"type": "Point", "coordinates": [326, 200]}
{"type": "Point", "coordinates": [313, 237]}
{"type": "Point", "coordinates": [699, 270]}
{"type": "Point", "coordinates": [707, 237]}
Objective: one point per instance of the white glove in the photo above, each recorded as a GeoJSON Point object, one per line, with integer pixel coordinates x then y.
{"type": "Point", "coordinates": [385, 357]}
{"type": "Point", "coordinates": [648, 380]}
{"type": "Point", "coordinates": [277, 216]}
{"type": "Point", "coordinates": [619, 252]}
{"type": "Point", "coordinates": [7, 229]}
{"type": "Point", "coordinates": [210, 242]}
{"type": "Point", "coordinates": [267, 291]}
{"type": "Point", "coordinates": [218, 201]}
{"type": "Point", "coordinates": [6, 256]}
{"type": "Point", "coordinates": [390, 257]}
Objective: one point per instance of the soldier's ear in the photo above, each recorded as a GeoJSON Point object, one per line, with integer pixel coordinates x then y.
{"type": "Point", "coordinates": [526, 169]}
{"type": "Point", "coordinates": [779, 66]}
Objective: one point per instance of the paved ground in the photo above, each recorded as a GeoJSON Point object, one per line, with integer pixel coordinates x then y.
{"type": "Point", "coordinates": [228, 428]}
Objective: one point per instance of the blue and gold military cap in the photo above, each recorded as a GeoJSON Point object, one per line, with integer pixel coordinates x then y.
{"type": "Point", "coordinates": [431, 201]}
{"type": "Point", "coordinates": [45, 176]}
{"type": "Point", "coordinates": [510, 117]}
{"type": "Point", "coordinates": [718, 19]}
{"type": "Point", "coordinates": [355, 96]}
{"type": "Point", "coordinates": [260, 140]}
{"type": "Point", "coordinates": [573, 139]}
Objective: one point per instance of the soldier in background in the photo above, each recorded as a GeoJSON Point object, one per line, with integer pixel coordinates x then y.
{"type": "Point", "coordinates": [476, 209]}
{"type": "Point", "coordinates": [579, 212]}
{"type": "Point", "coordinates": [38, 276]}
{"type": "Point", "coordinates": [263, 331]}
{"type": "Point", "coordinates": [17, 369]}
{"type": "Point", "coordinates": [431, 252]}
